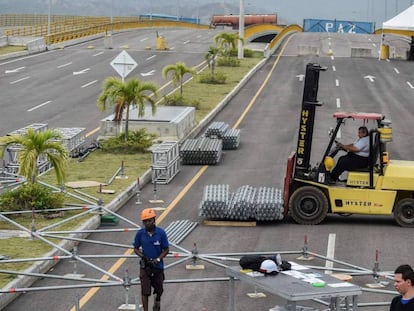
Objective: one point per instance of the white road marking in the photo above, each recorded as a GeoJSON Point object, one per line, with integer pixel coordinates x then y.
{"type": "Point", "coordinates": [88, 84]}
{"type": "Point", "coordinates": [370, 78]}
{"type": "Point", "coordinates": [300, 77]}
{"type": "Point", "coordinates": [22, 79]}
{"type": "Point", "coordinates": [330, 253]}
{"type": "Point", "coordinates": [143, 39]}
{"type": "Point", "coordinates": [374, 44]}
{"type": "Point", "coordinates": [185, 42]}
{"type": "Point", "coordinates": [410, 85]}
{"type": "Point", "coordinates": [396, 70]}
{"type": "Point", "coordinates": [151, 57]}
{"type": "Point", "coordinates": [332, 57]}
{"type": "Point", "coordinates": [97, 54]}
{"type": "Point", "coordinates": [338, 103]}
{"type": "Point", "coordinates": [337, 82]}
{"type": "Point", "coordinates": [81, 71]}
{"type": "Point", "coordinates": [64, 65]}
{"type": "Point", "coordinates": [38, 106]}
{"type": "Point", "coordinates": [333, 68]}
{"type": "Point", "coordinates": [14, 70]}
{"type": "Point", "coordinates": [149, 73]}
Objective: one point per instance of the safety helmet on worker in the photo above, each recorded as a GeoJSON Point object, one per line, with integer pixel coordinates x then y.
{"type": "Point", "coordinates": [148, 213]}
{"type": "Point", "coordinates": [268, 266]}
{"type": "Point", "coordinates": [329, 163]}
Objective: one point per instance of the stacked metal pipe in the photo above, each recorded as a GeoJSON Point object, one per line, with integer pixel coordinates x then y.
{"type": "Point", "coordinates": [231, 139]}
{"type": "Point", "coordinates": [202, 151]}
{"type": "Point", "coordinates": [247, 203]}
{"type": "Point", "coordinates": [242, 205]}
{"type": "Point", "coordinates": [217, 129]}
{"type": "Point", "coordinates": [269, 204]}
{"type": "Point", "coordinates": [221, 130]}
{"type": "Point", "coordinates": [215, 201]}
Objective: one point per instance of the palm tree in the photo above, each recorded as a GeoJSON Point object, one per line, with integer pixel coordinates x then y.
{"type": "Point", "coordinates": [210, 57]}
{"type": "Point", "coordinates": [123, 95]}
{"type": "Point", "coordinates": [177, 71]}
{"type": "Point", "coordinates": [227, 41]}
{"type": "Point", "coordinates": [34, 145]}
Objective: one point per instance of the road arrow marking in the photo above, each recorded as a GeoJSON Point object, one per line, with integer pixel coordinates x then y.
{"type": "Point", "coordinates": [81, 72]}
{"type": "Point", "coordinates": [370, 78]}
{"type": "Point", "coordinates": [14, 70]}
{"type": "Point", "coordinates": [149, 73]}
{"type": "Point", "coordinates": [301, 76]}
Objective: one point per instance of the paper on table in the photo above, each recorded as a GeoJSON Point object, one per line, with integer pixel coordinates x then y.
{"type": "Point", "coordinates": [295, 266]}
{"type": "Point", "coordinates": [254, 274]}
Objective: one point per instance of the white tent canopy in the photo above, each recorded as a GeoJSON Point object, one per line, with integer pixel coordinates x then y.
{"type": "Point", "coordinates": [402, 21]}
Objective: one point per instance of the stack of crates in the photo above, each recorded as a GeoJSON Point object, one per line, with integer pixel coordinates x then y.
{"type": "Point", "coordinates": [12, 160]}
{"type": "Point", "coordinates": [72, 139]}
{"type": "Point", "coordinates": [165, 162]}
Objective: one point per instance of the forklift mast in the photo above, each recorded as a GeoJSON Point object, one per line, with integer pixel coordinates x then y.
{"type": "Point", "coordinates": [307, 119]}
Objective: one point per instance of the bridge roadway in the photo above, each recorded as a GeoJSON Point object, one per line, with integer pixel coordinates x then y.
{"type": "Point", "coordinates": [268, 133]}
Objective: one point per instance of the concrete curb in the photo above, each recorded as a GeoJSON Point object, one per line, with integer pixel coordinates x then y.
{"type": "Point", "coordinates": [116, 203]}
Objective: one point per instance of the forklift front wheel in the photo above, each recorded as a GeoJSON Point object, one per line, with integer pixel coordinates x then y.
{"type": "Point", "coordinates": [308, 205]}
{"type": "Point", "coordinates": [404, 213]}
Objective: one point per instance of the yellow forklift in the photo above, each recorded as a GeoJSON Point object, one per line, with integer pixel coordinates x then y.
{"type": "Point", "coordinates": [385, 187]}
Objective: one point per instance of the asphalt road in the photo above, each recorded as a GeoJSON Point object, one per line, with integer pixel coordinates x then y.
{"type": "Point", "coordinates": [61, 87]}
{"type": "Point", "coordinates": [268, 135]}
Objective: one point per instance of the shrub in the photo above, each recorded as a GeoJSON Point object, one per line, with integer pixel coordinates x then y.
{"type": "Point", "coordinates": [178, 100]}
{"type": "Point", "coordinates": [30, 196]}
{"type": "Point", "coordinates": [217, 78]}
{"type": "Point", "coordinates": [228, 62]}
{"type": "Point", "coordinates": [138, 142]}
{"type": "Point", "coordinates": [248, 53]}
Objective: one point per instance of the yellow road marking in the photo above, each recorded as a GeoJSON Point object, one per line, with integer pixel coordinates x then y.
{"type": "Point", "coordinates": [91, 292]}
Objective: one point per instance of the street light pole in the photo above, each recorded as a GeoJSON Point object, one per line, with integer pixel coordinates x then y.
{"type": "Point", "coordinates": [240, 53]}
{"type": "Point", "coordinates": [48, 17]}
{"type": "Point", "coordinates": [112, 16]}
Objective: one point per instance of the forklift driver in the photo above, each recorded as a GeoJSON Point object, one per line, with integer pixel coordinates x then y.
{"type": "Point", "coordinates": [356, 157]}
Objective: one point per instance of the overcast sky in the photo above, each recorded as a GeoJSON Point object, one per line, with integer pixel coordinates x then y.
{"type": "Point", "coordinates": [294, 11]}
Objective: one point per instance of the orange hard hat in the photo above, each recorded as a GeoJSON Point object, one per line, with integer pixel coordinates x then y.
{"type": "Point", "coordinates": [148, 213]}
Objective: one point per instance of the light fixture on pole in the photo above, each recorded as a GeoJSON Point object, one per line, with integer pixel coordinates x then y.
{"type": "Point", "coordinates": [240, 53]}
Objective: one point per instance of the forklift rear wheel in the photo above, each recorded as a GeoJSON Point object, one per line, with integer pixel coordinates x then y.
{"type": "Point", "coordinates": [404, 213]}
{"type": "Point", "coordinates": [308, 205]}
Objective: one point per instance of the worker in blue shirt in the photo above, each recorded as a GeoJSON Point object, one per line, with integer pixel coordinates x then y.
{"type": "Point", "coordinates": [151, 245]}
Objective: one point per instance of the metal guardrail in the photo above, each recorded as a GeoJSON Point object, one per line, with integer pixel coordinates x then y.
{"type": "Point", "coordinates": [65, 28]}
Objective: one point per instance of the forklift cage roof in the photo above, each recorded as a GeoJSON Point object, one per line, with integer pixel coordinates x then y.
{"type": "Point", "coordinates": [358, 115]}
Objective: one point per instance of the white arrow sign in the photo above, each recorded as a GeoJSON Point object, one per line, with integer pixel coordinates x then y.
{"type": "Point", "coordinates": [149, 73]}
{"type": "Point", "coordinates": [14, 70]}
{"type": "Point", "coordinates": [301, 76]}
{"type": "Point", "coordinates": [81, 72]}
{"type": "Point", "coordinates": [370, 78]}
{"type": "Point", "coordinates": [124, 64]}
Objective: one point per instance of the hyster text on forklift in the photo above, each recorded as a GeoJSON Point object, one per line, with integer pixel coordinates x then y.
{"type": "Point", "coordinates": [385, 187]}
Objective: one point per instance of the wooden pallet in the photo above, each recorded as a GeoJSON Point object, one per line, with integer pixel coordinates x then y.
{"type": "Point", "coordinates": [228, 223]}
